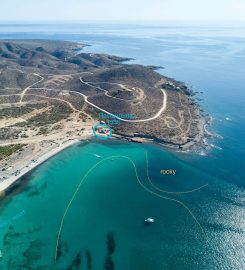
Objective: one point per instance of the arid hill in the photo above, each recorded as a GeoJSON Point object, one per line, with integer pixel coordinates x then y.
{"type": "Point", "coordinates": [45, 85]}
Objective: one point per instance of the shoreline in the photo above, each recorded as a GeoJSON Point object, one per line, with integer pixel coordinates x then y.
{"type": "Point", "coordinates": [9, 182]}
{"type": "Point", "coordinates": [196, 145]}
{"type": "Point", "coordinates": [202, 135]}
{"type": "Point", "coordinates": [198, 142]}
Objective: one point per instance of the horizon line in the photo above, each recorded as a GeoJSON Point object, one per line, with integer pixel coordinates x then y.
{"type": "Point", "coordinates": [122, 21]}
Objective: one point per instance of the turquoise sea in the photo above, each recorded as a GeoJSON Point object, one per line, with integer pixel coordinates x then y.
{"type": "Point", "coordinates": [109, 188]}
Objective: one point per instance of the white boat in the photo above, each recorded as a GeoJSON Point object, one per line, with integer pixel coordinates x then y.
{"type": "Point", "coordinates": [149, 220]}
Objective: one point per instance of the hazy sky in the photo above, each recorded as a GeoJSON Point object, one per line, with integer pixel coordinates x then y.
{"type": "Point", "coordinates": [126, 10]}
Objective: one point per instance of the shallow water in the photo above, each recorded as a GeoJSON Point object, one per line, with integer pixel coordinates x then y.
{"type": "Point", "coordinates": [111, 200]}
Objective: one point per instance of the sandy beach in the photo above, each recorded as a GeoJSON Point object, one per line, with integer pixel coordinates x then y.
{"type": "Point", "coordinates": [37, 148]}
{"type": "Point", "coordinates": [29, 164]}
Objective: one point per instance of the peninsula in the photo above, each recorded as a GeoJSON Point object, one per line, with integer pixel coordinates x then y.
{"type": "Point", "coordinates": [52, 94]}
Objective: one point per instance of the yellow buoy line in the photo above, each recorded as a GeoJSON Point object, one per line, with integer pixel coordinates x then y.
{"type": "Point", "coordinates": [165, 191]}
{"type": "Point", "coordinates": [139, 182]}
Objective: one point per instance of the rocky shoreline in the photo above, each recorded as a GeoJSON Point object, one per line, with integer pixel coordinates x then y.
{"type": "Point", "coordinates": [198, 144]}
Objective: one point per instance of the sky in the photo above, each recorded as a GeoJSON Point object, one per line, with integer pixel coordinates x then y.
{"type": "Point", "coordinates": [121, 10]}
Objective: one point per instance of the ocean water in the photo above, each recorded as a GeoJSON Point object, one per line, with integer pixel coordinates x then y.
{"type": "Point", "coordinates": [204, 229]}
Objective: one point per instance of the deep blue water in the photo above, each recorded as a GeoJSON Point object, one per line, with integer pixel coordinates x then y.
{"type": "Point", "coordinates": [210, 59]}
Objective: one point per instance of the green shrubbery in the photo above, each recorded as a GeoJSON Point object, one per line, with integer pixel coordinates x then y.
{"type": "Point", "coordinates": [8, 150]}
